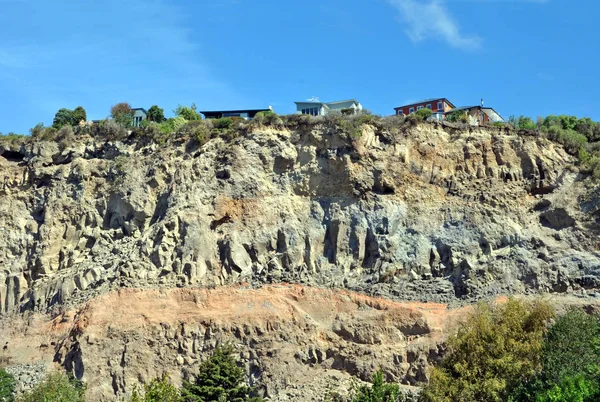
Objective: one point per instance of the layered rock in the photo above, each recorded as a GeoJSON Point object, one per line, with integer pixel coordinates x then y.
{"type": "Point", "coordinates": [425, 213]}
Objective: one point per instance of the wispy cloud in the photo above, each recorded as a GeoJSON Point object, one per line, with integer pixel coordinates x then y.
{"type": "Point", "coordinates": [431, 19]}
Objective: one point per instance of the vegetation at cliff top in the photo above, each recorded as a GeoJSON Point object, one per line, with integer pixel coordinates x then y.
{"type": "Point", "coordinates": [579, 136]}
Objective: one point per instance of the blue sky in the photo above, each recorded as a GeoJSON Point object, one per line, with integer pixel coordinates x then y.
{"type": "Point", "coordinates": [532, 57]}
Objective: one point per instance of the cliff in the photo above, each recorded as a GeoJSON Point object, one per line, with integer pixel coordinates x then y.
{"type": "Point", "coordinates": [417, 213]}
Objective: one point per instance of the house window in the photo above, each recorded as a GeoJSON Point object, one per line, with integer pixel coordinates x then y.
{"type": "Point", "coordinates": [429, 106]}
{"type": "Point", "coordinates": [411, 110]}
{"type": "Point", "coordinates": [440, 105]}
{"type": "Point", "coordinates": [419, 107]}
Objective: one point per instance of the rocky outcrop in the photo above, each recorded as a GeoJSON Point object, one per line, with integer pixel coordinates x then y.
{"type": "Point", "coordinates": [423, 213]}
{"type": "Point", "coordinates": [426, 214]}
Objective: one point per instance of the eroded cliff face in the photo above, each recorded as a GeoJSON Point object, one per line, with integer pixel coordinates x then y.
{"type": "Point", "coordinates": [426, 213]}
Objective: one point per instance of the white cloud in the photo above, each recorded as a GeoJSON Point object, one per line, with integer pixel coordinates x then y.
{"type": "Point", "coordinates": [431, 19]}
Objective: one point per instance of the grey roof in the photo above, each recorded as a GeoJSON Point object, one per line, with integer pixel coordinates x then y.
{"type": "Point", "coordinates": [456, 109]}
{"type": "Point", "coordinates": [139, 108]}
{"type": "Point", "coordinates": [234, 110]}
{"type": "Point", "coordinates": [424, 101]}
{"type": "Point", "coordinates": [343, 101]}
{"type": "Point", "coordinates": [328, 103]}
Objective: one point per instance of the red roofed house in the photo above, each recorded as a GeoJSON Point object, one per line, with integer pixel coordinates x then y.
{"type": "Point", "coordinates": [438, 106]}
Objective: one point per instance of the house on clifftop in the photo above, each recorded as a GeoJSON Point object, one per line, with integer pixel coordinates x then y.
{"type": "Point", "coordinates": [439, 106]}
{"type": "Point", "coordinates": [247, 114]}
{"type": "Point", "coordinates": [316, 108]}
{"type": "Point", "coordinates": [478, 115]}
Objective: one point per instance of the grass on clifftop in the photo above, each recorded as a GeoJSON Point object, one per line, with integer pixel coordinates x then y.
{"type": "Point", "coordinates": [579, 136]}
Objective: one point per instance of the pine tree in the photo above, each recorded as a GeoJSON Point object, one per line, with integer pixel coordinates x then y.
{"type": "Point", "coordinates": [219, 379]}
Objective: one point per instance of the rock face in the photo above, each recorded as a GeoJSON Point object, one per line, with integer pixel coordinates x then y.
{"type": "Point", "coordinates": [428, 213]}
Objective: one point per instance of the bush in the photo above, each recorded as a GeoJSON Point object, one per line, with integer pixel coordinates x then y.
{"type": "Point", "coordinates": [571, 140]}
{"type": "Point", "coordinates": [122, 114]}
{"type": "Point", "coordinates": [219, 378]}
{"type": "Point", "coordinates": [495, 350]}
{"type": "Point", "coordinates": [7, 386]}
{"type": "Point", "coordinates": [348, 111]}
{"type": "Point", "coordinates": [223, 123]}
{"type": "Point", "coordinates": [198, 130]}
{"type": "Point", "coordinates": [458, 116]}
{"type": "Point", "coordinates": [111, 130]}
{"type": "Point", "coordinates": [378, 391]}
{"type": "Point", "coordinates": [188, 113]}
{"type": "Point", "coordinates": [293, 121]}
{"type": "Point", "coordinates": [57, 387]}
{"type": "Point", "coordinates": [424, 113]}
{"type": "Point", "coordinates": [159, 390]}
{"type": "Point", "coordinates": [156, 114]}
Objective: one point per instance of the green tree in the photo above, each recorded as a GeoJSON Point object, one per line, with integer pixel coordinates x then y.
{"type": "Point", "coordinates": [122, 114]}
{"type": "Point", "coordinates": [56, 387]}
{"type": "Point", "coordinates": [495, 350]}
{"type": "Point", "coordinates": [570, 389]}
{"type": "Point", "coordinates": [78, 115]}
{"type": "Point", "coordinates": [156, 114]}
{"type": "Point", "coordinates": [424, 113]}
{"type": "Point", "coordinates": [378, 391]}
{"type": "Point", "coordinates": [62, 118]}
{"type": "Point", "coordinates": [570, 362]}
{"type": "Point", "coordinates": [219, 379]}
{"type": "Point", "coordinates": [188, 113]}
{"type": "Point", "coordinates": [571, 347]}
{"type": "Point", "coordinates": [7, 386]}
{"type": "Point", "coordinates": [159, 390]}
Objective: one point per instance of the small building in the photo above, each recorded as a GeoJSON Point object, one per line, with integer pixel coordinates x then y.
{"type": "Point", "coordinates": [478, 115]}
{"type": "Point", "coordinates": [316, 108]}
{"type": "Point", "coordinates": [139, 114]}
{"type": "Point", "coordinates": [247, 114]}
{"type": "Point", "coordinates": [439, 106]}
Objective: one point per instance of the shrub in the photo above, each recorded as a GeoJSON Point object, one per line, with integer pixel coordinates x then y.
{"type": "Point", "coordinates": [7, 386]}
{"type": "Point", "coordinates": [424, 113]}
{"type": "Point", "coordinates": [498, 124]}
{"type": "Point", "coordinates": [156, 114]}
{"type": "Point", "coordinates": [198, 130]}
{"type": "Point", "coordinates": [159, 390]}
{"type": "Point", "coordinates": [458, 116]}
{"type": "Point", "coordinates": [378, 391]}
{"type": "Point", "coordinates": [495, 349]}
{"type": "Point", "coordinates": [122, 114]}
{"type": "Point", "coordinates": [56, 387]}
{"type": "Point", "coordinates": [293, 121]}
{"type": "Point", "coordinates": [223, 123]}
{"type": "Point", "coordinates": [111, 130]}
{"type": "Point", "coordinates": [188, 113]}
{"type": "Point", "coordinates": [65, 136]}
{"type": "Point", "coordinates": [219, 378]}
{"type": "Point", "coordinates": [348, 111]}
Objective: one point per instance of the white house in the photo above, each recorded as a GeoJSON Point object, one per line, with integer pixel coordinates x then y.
{"type": "Point", "coordinates": [316, 108]}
